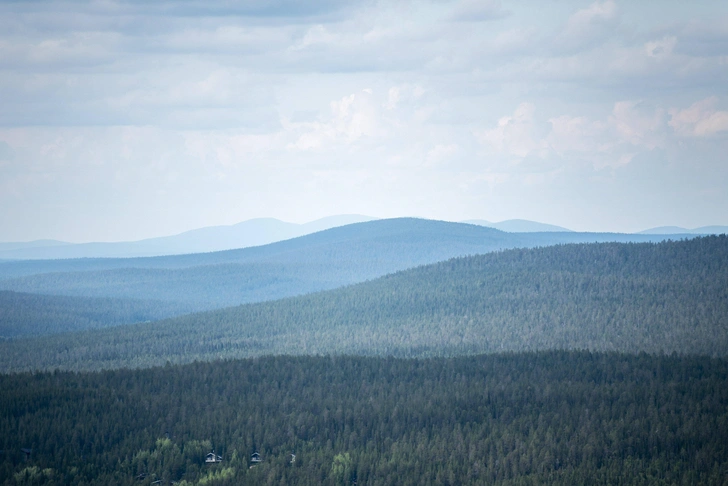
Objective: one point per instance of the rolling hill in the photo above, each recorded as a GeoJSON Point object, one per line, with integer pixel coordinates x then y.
{"type": "Point", "coordinates": [519, 226]}
{"type": "Point", "coordinates": [23, 315]}
{"type": "Point", "coordinates": [253, 232]}
{"type": "Point", "coordinates": [311, 263]}
{"type": "Point", "coordinates": [677, 230]}
{"type": "Point", "coordinates": [657, 298]}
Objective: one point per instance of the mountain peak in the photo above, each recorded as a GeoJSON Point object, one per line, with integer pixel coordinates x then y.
{"type": "Point", "coordinates": [519, 226]}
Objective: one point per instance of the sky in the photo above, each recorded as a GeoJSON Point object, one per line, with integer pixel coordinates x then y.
{"type": "Point", "coordinates": [123, 120]}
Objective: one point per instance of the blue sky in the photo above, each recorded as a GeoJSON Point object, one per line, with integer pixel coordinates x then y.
{"type": "Point", "coordinates": [122, 120]}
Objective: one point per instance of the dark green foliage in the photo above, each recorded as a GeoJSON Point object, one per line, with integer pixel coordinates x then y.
{"type": "Point", "coordinates": [666, 297]}
{"type": "Point", "coordinates": [311, 263]}
{"type": "Point", "coordinates": [23, 315]}
{"type": "Point", "coordinates": [533, 418]}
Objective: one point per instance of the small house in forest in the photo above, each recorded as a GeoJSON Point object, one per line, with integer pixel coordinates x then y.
{"type": "Point", "coordinates": [255, 458]}
{"type": "Point", "coordinates": [213, 458]}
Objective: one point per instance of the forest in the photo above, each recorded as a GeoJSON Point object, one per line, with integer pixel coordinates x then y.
{"type": "Point", "coordinates": [625, 297]}
{"type": "Point", "coordinates": [23, 314]}
{"type": "Point", "coordinates": [515, 418]}
{"type": "Point", "coordinates": [579, 363]}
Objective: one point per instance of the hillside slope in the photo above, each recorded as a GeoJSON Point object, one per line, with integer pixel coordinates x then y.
{"type": "Point", "coordinates": [320, 261]}
{"type": "Point", "coordinates": [666, 297]}
{"type": "Point", "coordinates": [23, 315]}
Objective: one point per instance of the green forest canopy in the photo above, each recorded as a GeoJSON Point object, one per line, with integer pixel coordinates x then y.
{"type": "Point", "coordinates": [530, 418]}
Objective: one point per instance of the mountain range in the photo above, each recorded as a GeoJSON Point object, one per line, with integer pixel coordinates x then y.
{"type": "Point", "coordinates": [319, 261]}
{"type": "Point", "coordinates": [677, 230]}
{"type": "Point", "coordinates": [518, 226]}
{"type": "Point", "coordinates": [254, 232]}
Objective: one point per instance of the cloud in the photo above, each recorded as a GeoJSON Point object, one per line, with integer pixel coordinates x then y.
{"type": "Point", "coordinates": [639, 124]}
{"type": "Point", "coordinates": [393, 97]}
{"type": "Point", "coordinates": [6, 152]}
{"type": "Point", "coordinates": [661, 48]}
{"type": "Point", "coordinates": [351, 118]}
{"type": "Point", "coordinates": [315, 36]}
{"type": "Point", "coordinates": [61, 52]}
{"type": "Point", "coordinates": [588, 27]}
{"type": "Point", "coordinates": [441, 154]}
{"type": "Point", "coordinates": [516, 134]}
{"type": "Point", "coordinates": [478, 11]}
{"type": "Point", "coordinates": [701, 119]}
{"type": "Point", "coordinates": [631, 128]}
{"type": "Point", "coordinates": [577, 134]}
{"type": "Point", "coordinates": [703, 37]}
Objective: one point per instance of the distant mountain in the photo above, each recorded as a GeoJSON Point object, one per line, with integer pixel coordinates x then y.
{"type": "Point", "coordinates": [665, 230]}
{"type": "Point", "coordinates": [656, 298]}
{"type": "Point", "coordinates": [711, 230]}
{"type": "Point", "coordinates": [9, 246]}
{"type": "Point", "coordinates": [518, 226]}
{"type": "Point", "coordinates": [253, 232]}
{"type": "Point", "coordinates": [677, 230]}
{"type": "Point", "coordinates": [319, 261]}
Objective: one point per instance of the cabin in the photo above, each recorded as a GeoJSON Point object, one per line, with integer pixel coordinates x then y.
{"type": "Point", "coordinates": [255, 458]}
{"type": "Point", "coordinates": [27, 452]}
{"type": "Point", "coordinates": [212, 458]}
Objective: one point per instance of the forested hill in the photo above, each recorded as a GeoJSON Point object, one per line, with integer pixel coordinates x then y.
{"type": "Point", "coordinates": [666, 297]}
{"type": "Point", "coordinates": [311, 263]}
{"type": "Point", "coordinates": [24, 315]}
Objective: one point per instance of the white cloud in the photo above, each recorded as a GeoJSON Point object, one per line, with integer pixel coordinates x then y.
{"type": "Point", "coordinates": [315, 36]}
{"type": "Point", "coordinates": [393, 97]}
{"type": "Point", "coordinates": [661, 48]}
{"type": "Point", "coordinates": [441, 154]}
{"type": "Point", "coordinates": [631, 128]}
{"type": "Point", "coordinates": [701, 119]}
{"type": "Point", "coordinates": [6, 152]}
{"type": "Point", "coordinates": [588, 27]}
{"type": "Point", "coordinates": [577, 134]}
{"type": "Point", "coordinates": [351, 118]}
{"type": "Point", "coordinates": [478, 10]}
{"type": "Point", "coordinates": [69, 50]}
{"type": "Point", "coordinates": [514, 134]}
{"type": "Point", "coordinates": [639, 124]}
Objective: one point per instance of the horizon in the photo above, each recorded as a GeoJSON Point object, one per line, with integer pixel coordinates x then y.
{"type": "Point", "coordinates": [125, 121]}
{"type": "Point", "coordinates": [475, 221]}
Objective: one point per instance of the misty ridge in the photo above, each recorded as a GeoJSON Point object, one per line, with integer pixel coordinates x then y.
{"type": "Point", "coordinates": [257, 232]}
{"type": "Point", "coordinates": [179, 284]}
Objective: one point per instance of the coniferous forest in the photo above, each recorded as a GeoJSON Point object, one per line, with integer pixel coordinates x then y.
{"type": "Point", "coordinates": [571, 364]}
{"type": "Point", "coordinates": [526, 418]}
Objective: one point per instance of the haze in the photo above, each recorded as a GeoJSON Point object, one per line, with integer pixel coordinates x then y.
{"type": "Point", "coordinates": [123, 120]}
